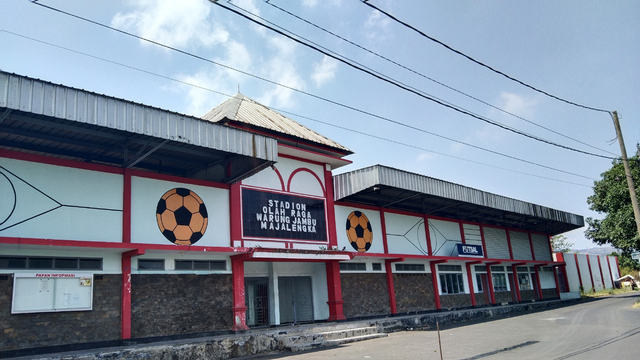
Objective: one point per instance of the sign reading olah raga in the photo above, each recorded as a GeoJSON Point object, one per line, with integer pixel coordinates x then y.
{"type": "Point", "coordinates": [271, 215]}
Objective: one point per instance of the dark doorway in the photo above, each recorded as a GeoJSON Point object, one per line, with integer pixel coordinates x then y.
{"type": "Point", "coordinates": [257, 301]}
{"type": "Point", "coordinates": [296, 300]}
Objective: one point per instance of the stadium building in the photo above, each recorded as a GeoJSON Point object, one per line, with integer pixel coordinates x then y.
{"type": "Point", "coordinates": [120, 220]}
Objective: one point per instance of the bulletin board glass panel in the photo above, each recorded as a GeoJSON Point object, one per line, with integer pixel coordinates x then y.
{"type": "Point", "coordinates": [47, 292]}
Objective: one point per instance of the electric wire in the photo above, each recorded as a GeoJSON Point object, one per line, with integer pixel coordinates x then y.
{"type": "Point", "coordinates": [431, 79]}
{"type": "Point", "coordinates": [315, 96]}
{"type": "Point", "coordinates": [409, 89]}
{"type": "Point", "coordinates": [366, 2]}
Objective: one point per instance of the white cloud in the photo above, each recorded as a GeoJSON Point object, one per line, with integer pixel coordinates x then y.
{"type": "Point", "coordinates": [281, 69]}
{"type": "Point", "coordinates": [377, 26]}
{"type": "Point", "coordinates": [310, 3]}
{"type": "Point", "coordinates": [425, 157]}
{"type": "Point", "coordinates": [518, 105]}
{"type": "Point", "coordinates": [174, 23]}
{"type": "Point", "coordinates": [324, 71]}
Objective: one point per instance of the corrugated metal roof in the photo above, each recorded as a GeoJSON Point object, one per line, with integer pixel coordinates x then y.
{"type": "Point", "coordinates": [357, 186]}
{"type": "Point", "coordinates": [245, 110]}
{"type": "Point", "coordinates": [44, 98]}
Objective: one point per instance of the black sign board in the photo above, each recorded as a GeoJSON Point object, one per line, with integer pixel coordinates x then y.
{"type": "Point", "coordinates": [470, 250]}
{"type": "Point", "coordinates": [282, 216]}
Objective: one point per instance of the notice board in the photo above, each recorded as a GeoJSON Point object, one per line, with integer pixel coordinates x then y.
{"type": "Point", "coordinates": [52, 292]}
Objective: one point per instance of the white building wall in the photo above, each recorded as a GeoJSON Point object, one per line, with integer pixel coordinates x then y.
{"type": "Point", "coordinates": [342, 214]}
{"type": "Point", "coordinates": [595, 270]}
{"type": "Point", "coordinates": [584, 272]}
{"type": "Point", "coordinates": [608, 284]}
{"type": "Point", "coordinates": [444, 237]}
{"type": "Point", "coordinates": [614, 267]}
{"type": "Point", "coordinates": [406, 234]}
{"type": "Point", "coordinates": [572, 272]}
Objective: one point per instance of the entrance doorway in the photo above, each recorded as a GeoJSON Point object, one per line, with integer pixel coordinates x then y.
{"type": "Point", "coordinates": [296, 299]}
{"type": "Point", "coordinates": [257, 301]}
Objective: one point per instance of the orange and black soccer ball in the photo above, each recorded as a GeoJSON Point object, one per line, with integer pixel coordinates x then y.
{"type": "Point", "coordinates": [182, 216]}
{"type": "Point", "coordinates": [359, 231]}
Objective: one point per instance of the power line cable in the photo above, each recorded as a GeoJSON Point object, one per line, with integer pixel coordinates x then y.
{"type": "Point", "coordinates": [478, 62]}
{"type": "Point", "coordinates": [409, 89]}
{"type": "Point", "coordinates": [431, 79]}
{"type": "Point", "coordinates": [325, 99]}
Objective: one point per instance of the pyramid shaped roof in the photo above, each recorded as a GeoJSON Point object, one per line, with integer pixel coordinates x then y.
{"type": "Point", "coordinates": [240, 108]}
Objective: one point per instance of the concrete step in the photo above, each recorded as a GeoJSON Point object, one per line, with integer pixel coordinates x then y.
{"type": "Point", "coordinates": [315, 337]}
{"type": "Point", "coordinates": [334, 342]}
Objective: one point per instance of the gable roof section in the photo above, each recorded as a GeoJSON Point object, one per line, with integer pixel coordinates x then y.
{"type": "Point", "coordinates": [242, 109]}
{"type": "Point", "coordinates": [390, 188]}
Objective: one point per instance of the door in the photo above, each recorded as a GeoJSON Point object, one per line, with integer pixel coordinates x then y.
{"type": "Point", "coordinates": [514, 296]}
{"type": "Point", "coordinates": [485, 288]}
{"type": "Point", "coordinates": [296, 300]}
{"type": "Point", "coordinates": [257, 301]}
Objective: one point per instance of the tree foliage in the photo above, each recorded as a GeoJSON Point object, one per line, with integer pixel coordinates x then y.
{"type": "Point", "coordinates": [611, 198]}
{"type": "Point", "coordinates": [628, 265]}
{"type": "Point", "coordinates": [560, 243]}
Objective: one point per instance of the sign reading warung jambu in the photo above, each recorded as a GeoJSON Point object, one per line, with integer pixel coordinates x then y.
{"type": "Point", "coordinates": [282, 216]}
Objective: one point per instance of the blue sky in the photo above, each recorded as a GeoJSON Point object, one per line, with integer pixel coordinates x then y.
{"type": "Point", "coordinates": [586, 52]}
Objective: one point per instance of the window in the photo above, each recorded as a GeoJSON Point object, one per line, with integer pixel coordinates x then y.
{"type": "Point", "coordinates": [49, 263]}
{"type": "Point", "coordinates": [150, 264]}
{"type": "Point", "coordinates": [377, 267]}
{"type": "Point", "coordinates": [497, 268]}
{"type": "Point", "coordinates": [450, 267]}
{"type": "Point", "coordinates": [479, 282]}
{"type": "Point", "coordinates": [353, 266]}
{"type": "Point", "coordinates": [499, 282]}
{"type": "Point", "coordinates": [409, 267]}
{"type": "Point", "coordinates": [451, 283]}
{"type": "Point", "coordinates": [524, 281]}
{"type": "Point", "coordinates": [219, 265]}
{"type": "Point", "coordinates": [481, 268]}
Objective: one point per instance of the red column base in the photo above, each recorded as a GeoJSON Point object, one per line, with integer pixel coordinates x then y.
{"type": "Point", "coordinates": [239, 319]}
{"type": "Point", "coordinates": [335, 310]}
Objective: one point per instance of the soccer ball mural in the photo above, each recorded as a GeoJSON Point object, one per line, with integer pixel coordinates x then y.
{"type": "Point", "coordinates": [359, 231]}
{"type": "Point", "coordinates": [182, 216]}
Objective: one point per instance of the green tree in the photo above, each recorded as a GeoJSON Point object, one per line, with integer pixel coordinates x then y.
{"type": "Point", "coordinates": [560, 243]}
{"type": "Point", "coordinates": [628, 266]}
{"type": "Point", "coordinates": [611, 198]}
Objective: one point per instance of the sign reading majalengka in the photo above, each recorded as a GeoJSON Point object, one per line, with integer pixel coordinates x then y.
{"type": "Point", "coordinates": [282, 216]}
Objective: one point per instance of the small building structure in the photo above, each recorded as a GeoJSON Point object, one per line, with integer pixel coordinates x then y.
{"type": "Point", "coordinates": [121, 220]}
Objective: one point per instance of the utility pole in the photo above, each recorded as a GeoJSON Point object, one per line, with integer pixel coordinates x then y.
{"type": "Point", "coordinates": [627, 171]}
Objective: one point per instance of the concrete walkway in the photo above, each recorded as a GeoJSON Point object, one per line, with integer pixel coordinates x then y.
{"type": "Point", "coordinates": [275, 339]}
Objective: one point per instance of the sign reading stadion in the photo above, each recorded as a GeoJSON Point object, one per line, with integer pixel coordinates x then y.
{"type": "Point", "coordinates": [282, 216]}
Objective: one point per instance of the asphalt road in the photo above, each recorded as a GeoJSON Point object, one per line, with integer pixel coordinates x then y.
{"type": "Point", "coordinates": [607, 328]}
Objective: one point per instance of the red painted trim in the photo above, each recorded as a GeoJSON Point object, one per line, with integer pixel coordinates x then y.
{"type": "Point", "coordinates": [428, 235]}
{"type": "Point", "coordinates": [560, 257]}
{"type": "Point", "coordinates": [358, 206]}
{"type": "Point", "coordinates": [383, 225]}
{"type": "Point", "coordinates": [243, 126]}
{"type": "Point", "coordinates": [331, 210]}
{"type": "Point", "coordinates": [118, 245]}
{"type": "Point", "coordinates": [484, 244]}
{"type": "Point", "coordinates": [492, 294]}
{"type": "Point", "coordinates": [533, 253]}
{"type": "Point", "coordinates": [462, 232]}
{"type": "Point", "coordinates": [604, 285]}
{"type": "Point", "coordinates": [593, 284]}
{"type": "Point", "coordinates": [126, 207]}
{"type": "Point", "coordinates": [172, 178]}
{"type": "Point", "coordinates": [324, 191]}
{"type": "Point", "coordinates": [516, 283]}
{"type": "Point", "coordinates": [274, 168]}
{"type": "Point", "coordinates": [391, 287]}
{"type": "Point", "coordinates": [296, 158]}
{"type": "Point", "coordinates": [239, 309]}
{"type": "Point", "coordinates": [59, 162]}
{"type": "Point", "coordinates": [312, 152]}
{"type": "Point", "coordinates": [334, 287]}
{"type": "Point", "coordinates": [235, 210]}
{"type": "Point", "coordinates": [618, 266]}
{"type": "Point", "coordinates": [470, 282]}
{"type": "Point", "coordinates": [549, 247]}
{"type": "Point", "coordinates": [613, 284]}
{"type": "Point", "coordinates": [509, 244]}
{"type": "Point", "coordinates": [125, 307]}
{"type": "Point", "coordinates": [536, 271]}
{"type": "Point", "coordinates": [578, 268]}
{"type": "Point", "coordinates": [436, 287]}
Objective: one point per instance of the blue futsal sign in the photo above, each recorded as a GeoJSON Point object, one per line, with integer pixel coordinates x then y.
{"type": "Point", "coordinates": [470, 250]}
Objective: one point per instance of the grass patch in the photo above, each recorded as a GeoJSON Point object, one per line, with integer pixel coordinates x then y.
{"type": "Point", "coordinates": [601, 293]}
{"type": "Point", "coordinates": [636, 305]}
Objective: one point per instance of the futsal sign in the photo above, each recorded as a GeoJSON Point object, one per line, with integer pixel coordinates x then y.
{"type": "Point", "coordinates": [470, 250]}
{"type": "Point", "coordinates": [271, 215]}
